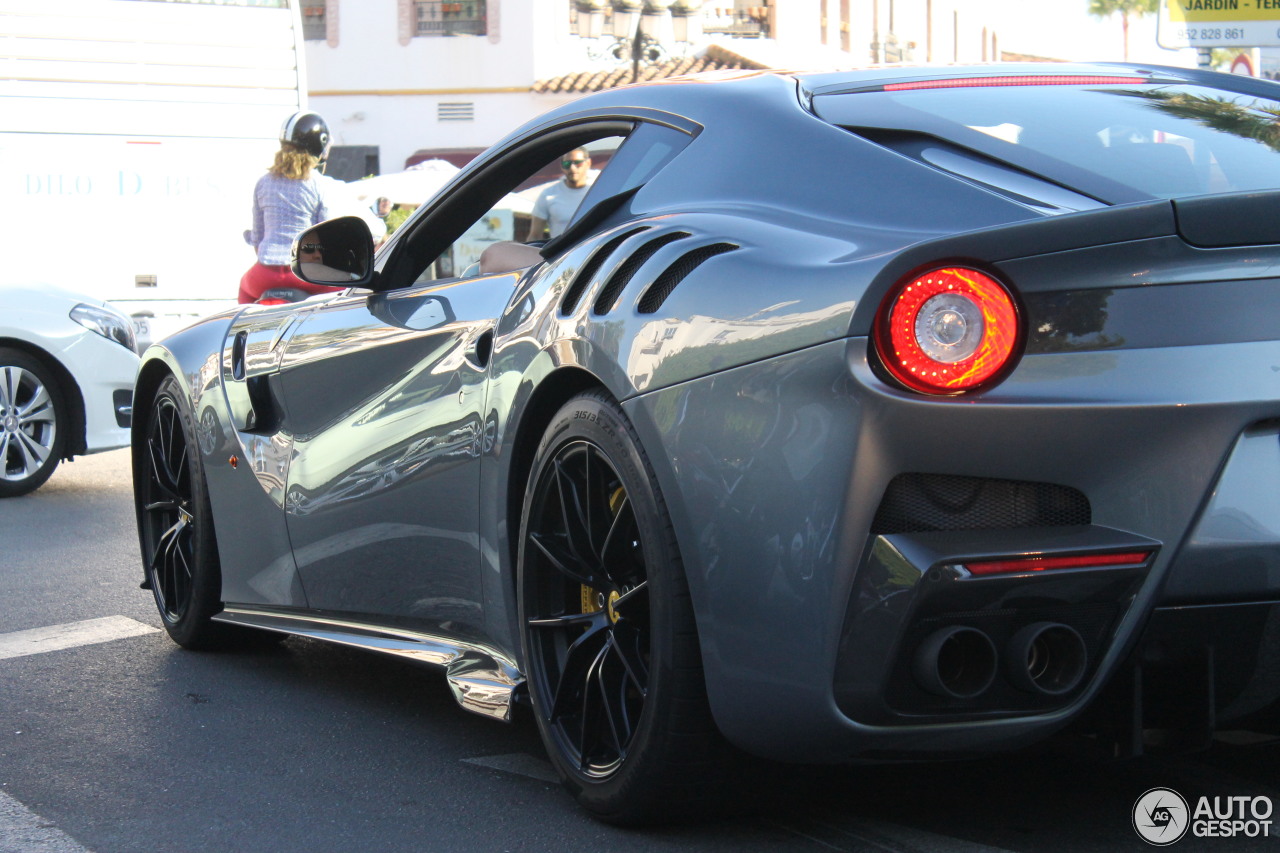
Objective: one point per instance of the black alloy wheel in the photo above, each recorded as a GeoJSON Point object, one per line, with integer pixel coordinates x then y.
{"type": "Point", "coordinates": [174, 522]}
{"type": "Point", "coordinates": [611, 652]}
{"type": "Point", "coordinates": [590, 617]}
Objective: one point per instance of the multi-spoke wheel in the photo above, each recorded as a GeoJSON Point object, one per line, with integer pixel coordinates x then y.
{"type": "Point", "coordinates": [174, 523]}
{"type": "Point", "coordinates": [610, 648]}
{"type": "Point", "coordinates": [32, 423]}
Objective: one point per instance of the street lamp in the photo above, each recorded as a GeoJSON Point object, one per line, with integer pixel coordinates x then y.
{"type": "Point", "coordinates": [590, 18]}
{"type": "Point", "coordinates": [686, 20]}
{"type": "Point", "coordinates": [626, 17]}
{"type": "Point", "coordinates": [639, 30]}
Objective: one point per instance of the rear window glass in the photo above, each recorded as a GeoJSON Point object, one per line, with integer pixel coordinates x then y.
{"type": "Point", "coordinates": [1162, 141]}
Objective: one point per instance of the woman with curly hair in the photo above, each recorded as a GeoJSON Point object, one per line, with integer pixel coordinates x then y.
{"type": "Point", "coordinates": [291, 197]}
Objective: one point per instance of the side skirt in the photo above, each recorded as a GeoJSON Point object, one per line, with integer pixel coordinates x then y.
{"type": "Point", "coordinates": [483, 680]}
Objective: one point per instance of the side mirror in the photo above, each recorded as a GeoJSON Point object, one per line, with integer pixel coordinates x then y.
{"type": "Point", "coordinates": [337, 252]}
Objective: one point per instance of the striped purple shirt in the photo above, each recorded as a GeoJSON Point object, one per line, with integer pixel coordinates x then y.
{"type": "Point", "coordinates": [282, 209]}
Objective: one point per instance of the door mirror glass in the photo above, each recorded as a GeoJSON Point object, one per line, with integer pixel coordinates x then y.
{"type": "Point", "coordinates": [337, 252]}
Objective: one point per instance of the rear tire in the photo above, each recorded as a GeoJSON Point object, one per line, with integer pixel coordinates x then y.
{"type": "Point", "coordinates": [610, 645]}
{"type": "Point", "coordinates": [33, 423]}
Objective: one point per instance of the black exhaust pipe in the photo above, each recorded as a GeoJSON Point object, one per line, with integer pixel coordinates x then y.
{"type": "Point", "coordinates": [1047, 658]}
{"type": "Point", "coordinates": [957, 662]}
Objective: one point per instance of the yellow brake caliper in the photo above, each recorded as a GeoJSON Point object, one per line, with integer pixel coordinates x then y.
{"type": "Point", "coordinates": [594, 600]}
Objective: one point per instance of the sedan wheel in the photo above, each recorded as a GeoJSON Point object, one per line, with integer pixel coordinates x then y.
{"type": "Point", "coordinates": [32, 423]}
{"type": "Point", "coordinates": [611, 652]}
{"type": "Point", "coordinates": [174, 522]}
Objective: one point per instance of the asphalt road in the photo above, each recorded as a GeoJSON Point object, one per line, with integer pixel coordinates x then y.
{"type": "Point", "coordinates": [114, 739]}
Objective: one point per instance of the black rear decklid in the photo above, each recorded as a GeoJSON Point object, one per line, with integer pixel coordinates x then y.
{"type": "Point", "coordinates": [1229, 219]}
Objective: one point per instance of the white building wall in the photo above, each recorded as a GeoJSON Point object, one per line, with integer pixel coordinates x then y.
{"type": "Point", "coordinates": [371, 54]}
{"type": "Point", "coordinates": [376, 87]}
{"type": "Point", "coordinates": [937, 31]}
{"type": "Point", "coordinates": [798, 22]}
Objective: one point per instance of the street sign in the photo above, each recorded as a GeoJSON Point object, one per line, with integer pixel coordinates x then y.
{"type": "Point", "coordinates": [1219, 23]}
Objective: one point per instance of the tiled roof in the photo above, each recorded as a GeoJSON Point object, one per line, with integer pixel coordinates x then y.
{"type": "Point", "coordinates": [714, 58]}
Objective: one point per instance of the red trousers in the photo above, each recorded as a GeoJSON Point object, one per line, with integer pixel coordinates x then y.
{"type": "Point", "coordinates": [261, 278]}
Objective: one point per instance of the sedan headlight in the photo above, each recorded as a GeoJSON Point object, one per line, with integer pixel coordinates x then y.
{"type": "Point", "coordinates": [109, 324]}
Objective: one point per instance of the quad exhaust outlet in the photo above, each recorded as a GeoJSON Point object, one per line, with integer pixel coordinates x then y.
{"type": "Point", "coordinates": [960, 662]}
{"type": "Point", "coordinates": [1046, 657]}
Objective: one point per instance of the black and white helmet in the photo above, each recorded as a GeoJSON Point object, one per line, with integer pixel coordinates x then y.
{"type": "Point", "coordinates": [307, 131]}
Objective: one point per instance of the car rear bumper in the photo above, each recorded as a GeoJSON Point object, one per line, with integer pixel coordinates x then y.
{"type": "Point", "coordinates": [812, 614]}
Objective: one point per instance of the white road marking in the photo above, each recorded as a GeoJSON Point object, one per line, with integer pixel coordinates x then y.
{"type": "Point", "coordinates": [55, 637]}
{"type": "Point", "coordinates": [24, 831]}
{"type": "Point", "coordinates": [520, 763]}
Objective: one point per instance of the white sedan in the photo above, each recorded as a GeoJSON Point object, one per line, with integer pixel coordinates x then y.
{"type": "Point", "coordinates": [67, 367]}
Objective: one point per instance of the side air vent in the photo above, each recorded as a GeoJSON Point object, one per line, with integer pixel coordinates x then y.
{"type": "Point", "coordinates": [676, 273]}
{"type": "Point", "coordinates": [620, 279]}
{"type": "Point", "coordinates": [589, 270]}
{"type": "Point", "coordinates": [914, 503]}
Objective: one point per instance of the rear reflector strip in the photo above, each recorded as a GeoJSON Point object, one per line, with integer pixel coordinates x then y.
{"type": "Point", "coordinates": [1039, 564]}
{"type": "Point", "coordinates": [1023, 80]}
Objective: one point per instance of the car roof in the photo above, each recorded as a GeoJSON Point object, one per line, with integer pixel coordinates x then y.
{"type": "Point", "coordinates": [821, 82]}
{"type": "Point", "coordinates": [880, 74]}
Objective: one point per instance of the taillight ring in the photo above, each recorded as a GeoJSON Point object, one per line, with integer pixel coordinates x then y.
{"type": "Point", "coordinates": [948, 330]}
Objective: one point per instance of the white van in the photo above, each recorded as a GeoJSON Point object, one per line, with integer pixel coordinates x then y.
{"type": "Point", "coordinates": [131, 134]}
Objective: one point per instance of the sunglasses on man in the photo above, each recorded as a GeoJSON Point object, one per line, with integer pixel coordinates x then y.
{"type": "Point", "coordinates": [565, 164]}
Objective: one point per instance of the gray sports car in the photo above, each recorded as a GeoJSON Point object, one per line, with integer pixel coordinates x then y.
{"type": "Point", "coordinates": [876, 415]}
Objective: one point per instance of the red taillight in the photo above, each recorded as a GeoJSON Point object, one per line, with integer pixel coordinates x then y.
{"type": "Point", "coordinates": [1018, 565]}
{"type": "Point", "coordinates": [1015, 80]}
{"type": "Point", "coordinates": [273, 301]}
{"type": "Point", "coordinates": [947, 331]}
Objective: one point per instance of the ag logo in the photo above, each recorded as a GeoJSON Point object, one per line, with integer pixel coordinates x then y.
{"type": "Point", "coordinates": [1161, 816]}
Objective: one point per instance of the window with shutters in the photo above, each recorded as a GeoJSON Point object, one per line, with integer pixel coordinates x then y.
{"type": "Point", "coordinates": [450, 17]}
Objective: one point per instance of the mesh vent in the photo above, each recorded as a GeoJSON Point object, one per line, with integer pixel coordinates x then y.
{"type": "Point", "coordinates": [915, 503]}
{"type": "Point", "coordinates": [666, 283]}
{"type": "Point", "coordinates": [574, 293]}
{"type": "Point", "coordinates": [609, 295]}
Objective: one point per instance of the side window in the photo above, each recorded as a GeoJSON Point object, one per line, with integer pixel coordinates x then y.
{"type": "Point", "coordinates": [564, 185]}
{"type": "Point", "coordinates": [636, 160]}
{"type": "Point", "coordinates": [498, 225]}
{"type": "Point", "coordinates": [537, 206]}
{"type": "Point", "coordinates": [556, 189]}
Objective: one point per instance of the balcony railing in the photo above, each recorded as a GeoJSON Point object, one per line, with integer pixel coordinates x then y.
{"type": "Point", "coordinates": [313, 22]}
{"type": "Point", "coordinates": [737, 24]}
{"type": "Point", "coordinates": [451, 17]}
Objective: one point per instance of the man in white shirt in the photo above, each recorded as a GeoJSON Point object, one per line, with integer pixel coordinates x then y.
{"type": "Point", "coordinates": [556, 204]}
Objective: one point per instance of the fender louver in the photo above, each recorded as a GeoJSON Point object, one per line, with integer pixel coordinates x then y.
{"type": "Point", "coordinates": [609, 294]}
{"type": "Point", "coordinates": [574, 291]}
{"type": "Point", "coordinates": [674, 274]}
